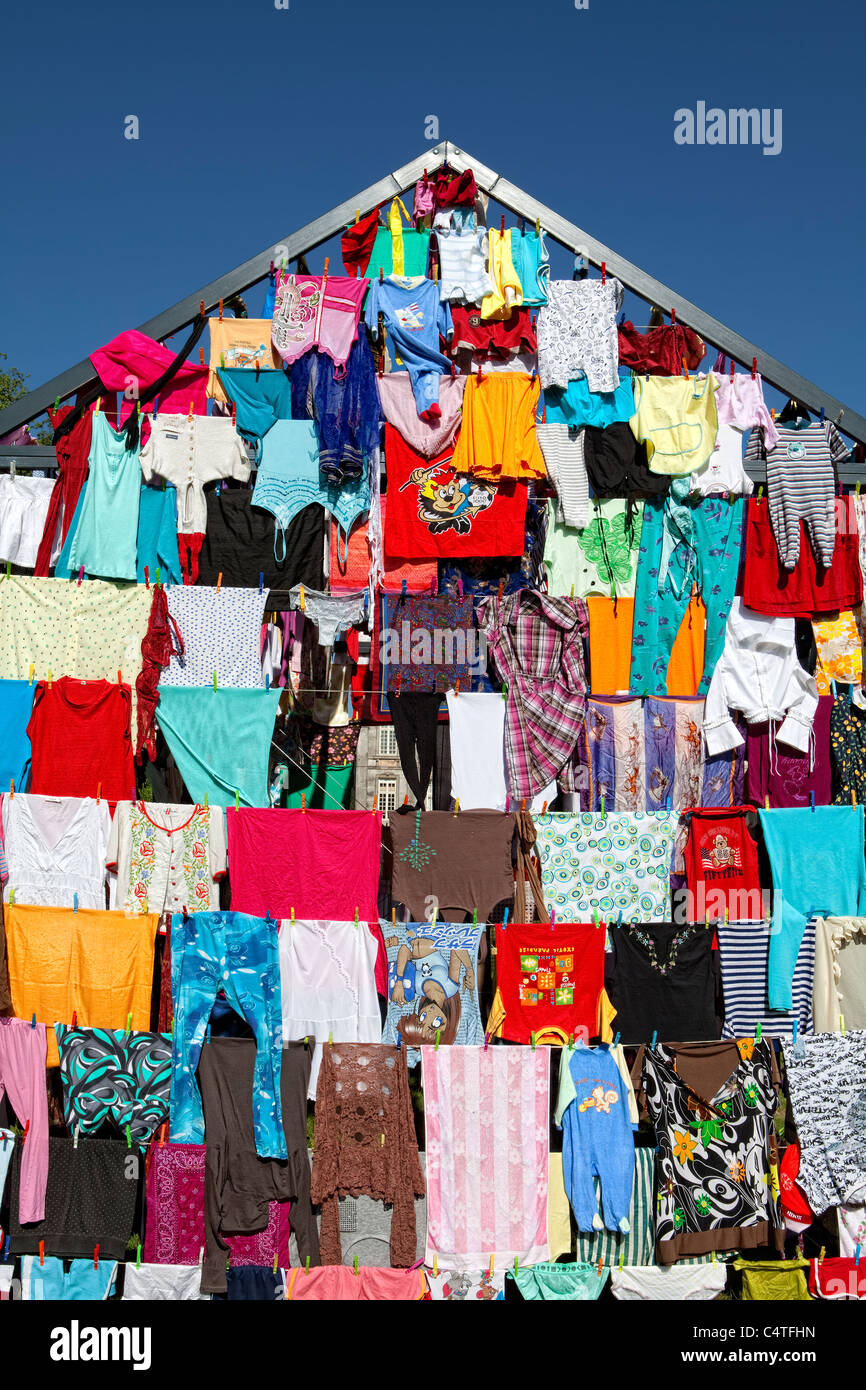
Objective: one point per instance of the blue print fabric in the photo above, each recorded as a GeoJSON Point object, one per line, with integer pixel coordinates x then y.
{"type": "Point", "coordinates": [235, 953]}
{"type": "Point", "coordinates": [109, 1074]}
{"type": "Point", "coordinates": [432, 985]}
{"type": "Point", "coordinates": [683, 542]}
{"type": "Point", "coordinates": [84, 1281]}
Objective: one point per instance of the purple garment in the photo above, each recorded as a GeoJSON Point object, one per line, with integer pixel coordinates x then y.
{"type": "Point", "coordinates": [415, 628]}
{"type": "Point", "coordinates": [725, 774]}
{"type": "Point", "coordinates": [344, 403]}
{"type": "Point", "coordinates": [786, 777]}
{"type": "Point", "coordinates": [174, 1225]}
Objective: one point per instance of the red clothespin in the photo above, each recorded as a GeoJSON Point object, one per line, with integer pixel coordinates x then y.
{"type": "Point", "coordinates": [732, 369]}
{"type": "Point", "coordinates": [96, 1257]}
{"type": "Point", "coordinates": [74, 1018]}
{"type": "Point", "coordinates": [42, 1252]}
{"type": "Point", "coordinates": [80, 576]}
{"type": "Point", "coordinates": [500, 591]}
{"type": "Point", "coordinates": [406, 799]}
{"type": "Point", "coordinates": [754, 367]}
{"type": "Point", "coordinates": [26, 1132]}
{"type": "Point", "coordinates": [673, 317]}
{"type": "Point", "coordinates": [185, 912]}
{"type": "Point", "coordinates": [201, 356]}
{"type": "Point", "coordinates": [234, 412]}
{"type": "Point", "coordinates": [221, 311]}
{"type": "Point", "coordinates": [201, 307]}
{"type": "Point", "coordinates": [603, 272]}
{"type": "Point", "coordinates": [120, 678]}
{"type": "Point", "coordinates": [479, 375]}
{"type": "Point", "coordinates": [271, 268]}
{"type": "Point", "coordinates": [381, 276]}
{"type": "Point", "coordinates": [502, 225]}
{"type": "Point", "coordinates": [147, 577]}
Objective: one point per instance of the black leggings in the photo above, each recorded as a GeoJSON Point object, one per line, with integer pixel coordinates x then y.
{"type": "Point", "coordinates": [415, 716]}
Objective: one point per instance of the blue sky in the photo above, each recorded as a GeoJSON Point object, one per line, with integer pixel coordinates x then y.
{"type": "Point", "coordinates": [254, 120]}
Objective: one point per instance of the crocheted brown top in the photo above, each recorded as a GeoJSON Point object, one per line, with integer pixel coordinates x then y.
{"type": "Point", "coordinates": [365, 1143]}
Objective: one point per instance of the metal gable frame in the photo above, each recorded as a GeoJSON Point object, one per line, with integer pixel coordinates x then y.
{"type": "Point", "coordinates": [568, 234]}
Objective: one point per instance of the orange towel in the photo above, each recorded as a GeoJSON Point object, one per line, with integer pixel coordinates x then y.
{"type": "Point", "coordinates": [610, 648]}
{"type": "Point", "coordinates": [497, 436]}
{"type": "Point", "coordinates": [98, 965]}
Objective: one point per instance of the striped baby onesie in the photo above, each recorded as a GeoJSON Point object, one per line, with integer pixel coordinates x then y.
{"type": "Point", "coordinates": [801, 481]}
{"type": "Point", "coordinates": [562, 447]}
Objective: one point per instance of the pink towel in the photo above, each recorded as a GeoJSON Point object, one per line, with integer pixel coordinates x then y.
{"type": "Point", "coordinates": [133, 357]}
{"type": "Point", "coordinates": [486, 1112]}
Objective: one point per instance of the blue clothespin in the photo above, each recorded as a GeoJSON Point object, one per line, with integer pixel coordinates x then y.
{"type": "Point", "coordinates": [616, 1038]}
{"type": "Point", "coordinates": [833, 689]}
{"type": "Point", "coordinates": [403, 589]}
{"type": "Point", "coordinates": [33, 1021]}
{"type": "Point", "coordinates": [261, 581]}
{"type": "Point", "coordinates": [668, 804]}
{"type": "Point", "coordinates": [655, 1039]}
{"type": "Point", "coordinates": [619, 918]}
{"type": "Point", "coordinates": [822, 415]}
{"type": "Point", "coordinates": [155, 404]}
{"type": "Point", "coordinates": [366, 599]}
{"type": "Point", "coordinates": [505, 919]}
{"type": "Point", "coordinates": [267, 682]}
{"type": "Point", "coordinates": [621, 320]}
{"type": "Point", "coordinates": [399, 1041]}
{"type": "Point", "coordinates": [74, 902]}
{"type": "Point", "coordinates": [812, 800]}
{"type": "Point", "coordinates": [857, 1256]}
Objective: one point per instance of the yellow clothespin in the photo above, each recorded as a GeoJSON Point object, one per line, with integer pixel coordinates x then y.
{"type": "Point", "coordinates": [538, 226]}
{"type": "Point", "coordinates": [457, 805]}
{"type": "Point", "coordinates": [357, 216]}
{"type": "Point", "coordinates": [842, 1024]}
{"type": "Point", "coordinates": [275, 1261]}
{"type": "Point", "coordinates": [853, 801]}
{"type": "Point", "coordinates": [491, 1266]}
{"type": "Point", "coordinates": [49, 677]}
{"type": "Point", "coordinates": [33, 672]}
{"type": "Point", "coordinates": [622, 1259]}
{"type": "Point", "coordinates": [435, 1264]}
{"type": "Point", "coordinates": [766, 803]}
{"type": "Point", "coordinates": [293, 916]}
{"type": "Point", "coordinates": [98, 405]}
{"type": "Point", "coordinates": [393, 919]}
{"type": "Point", "coordinates": [237, 801]}
{"type": "Point", "coordinates": [301, 600]}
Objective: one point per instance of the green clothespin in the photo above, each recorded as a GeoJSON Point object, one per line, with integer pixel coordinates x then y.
{"type": "Point", "coordinates": [532, 1040]}
{"type": "Point", "coordinates": [475, 917]}
{"type": "Point", "coordinates": [758, 1033]}
{"type": "Point", "coordinates": [595, 915]}
{"type": "Point", "coordinates": [128, 1138]}
{"type": "Point", "coordinates": [571, 1042]}
{"type": "Point", "coordinates": [214, 680]}
{"type": "Point", "coordinates": [205, 801]}
{"type": "Point", "coordinates": [515, 1266]}
{"type": "Point", "coordinates": [138, 1256]}
{"type": "Point", "coordinates": [308, 1265]}
{"type": "Point", "coordinates": [438, 1036]}
{"type": "Point", "coordinates": [237, 801]}
{"type": "Point", "coordinates": [356, 1266]}
{"type": "Point", "coordinates": [505, 692]}
{"type": "Point", "coordinates": [157, 576]}
{"type": "Point", "coordinates": [8, 569]}
{"type": "Point", "coordinates": [356, 919]}
{"type": "Point", "coordinates": [128, 1024]}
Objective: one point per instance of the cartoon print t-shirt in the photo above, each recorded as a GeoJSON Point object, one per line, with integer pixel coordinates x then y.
{"type": "Point", "coordinates": [432, 985]}
{"type": "Point", "coordinates": [435, 510]}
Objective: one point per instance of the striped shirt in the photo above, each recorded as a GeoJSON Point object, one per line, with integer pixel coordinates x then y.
{"type": "Point", "coordinates": [743, 953]}
{"type": "Point", "coordinates": [562, 447]}
{"type": "Point", "coordinates": [801, 481]}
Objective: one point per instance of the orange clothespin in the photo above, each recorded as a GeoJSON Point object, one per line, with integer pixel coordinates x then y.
{"type": "Point", "coordinates": [191, 404]}
{"type": "Point", "coordinates": [11, 788]}
{"type": "Point", "coordinates": [161, 1135]}
{"type": "Point", "coordinates": [303, 801]}
{"type": "Point", "coordinates": [685, 369]}
{"type": "Point", "coordinates": [376, 802]}
{"type": "Point", "coordinates": [219, 581]}
{"type": "Point", "coordinates": [302, 603]}
{"type": "Point", "coordinates": [500, 591]}
{"type": "Point", "coordinates": [456, 688]}
{"type": "Point", "coordinates": [406, 799]}
{"type": "Point", "coordinates": [381, 276]}
{"type": "Point", "coordinates": [221, 311]}
{"type": "Point", "coordinates": [201, 356]}
{"type": "Point", "coordinates": [98, 792]}
{"type": "Point", "coordinates": [201, 307]}
{"type": "Point", "coordinates": [327, 263]}
{"type": "Point", "coordinates": [120, 678]}
{"type": "Point", "coordinates": [523, 804]}
{"type": "Point", "coordinates": [544, 809]}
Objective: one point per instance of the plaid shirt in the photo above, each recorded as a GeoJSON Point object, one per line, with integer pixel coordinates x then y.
{"type": "Point", "coordinates": [536, 641]}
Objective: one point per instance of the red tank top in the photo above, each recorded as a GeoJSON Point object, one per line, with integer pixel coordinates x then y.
{"type": "Point", "coordinates": [80, 737]}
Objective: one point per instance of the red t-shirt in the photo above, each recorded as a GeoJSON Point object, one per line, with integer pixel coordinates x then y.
{"type": "Point", "coordinates": [80, 736]}
{"type": "Point", "coordinates": [434, 511]}
{"type": "Point", "coordinates": [550, 980]}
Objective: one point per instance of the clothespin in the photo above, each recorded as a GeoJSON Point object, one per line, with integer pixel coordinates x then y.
{"type": "Point", "coordinates": [275, 1261]}
{"type": "Point", "coordinates": [673, 317]}
{"type": "Point", "coordinates": [603, 272]}
{"type": "Point", "coordinates": [654, 1040]}
{"type": "Point", "coordinates": [505, 919]}
{"type": "Point", "coordinates": [80, 576]}
{"type": "Point", "coordinates": [822, 415]}
{"type": "Point", "coordinates": [767, 803]}
{"type": "Point", "coordinates": [128, 1024]}
{"type": "Point", "coordinates": [32, 672]}
{"type": "Point", "coordinates": [201, 307]}
{"type": "Point", "coordinates": [812, 800]}
{"type": "Point", "coordinates": [356, 1266]}
{"type": "Point", "coordinates": [120, 678]}
{"type": "Point", "coordinates": [96, 1257]}
{"type": "Point", "coordinates": [553, 917]}
{"type": "Point", "coordinates": [191, 408]}
{"type": "Point", "coordinates": [842, 1024]}
{"type": "Point", "coordinates": [544, 809]}
{"type": "Point", "coordinates": [267, 681]}
{"type": "Point", "coordinates": [237, 800]}
{"type": "Point", "coordinates": [201, 356]}
{"type": "Point", "coordinates": [685, 368]}
{"type": "Point", "coordinates": [98, 404]}
{"type": "Point", "coordinates": [302, 602]}
{"type": "Point", "coordinates": [381, 276]}
{"type": "Point", "coordinates": [26, 1131]}
{"type": "Point", "coordinates": [760, 492]}
{"type": "Point", "coordinates": [74, 902]}
{"type": "Point", "coordinates": [138, 1257]}
{"type": "Point", "coordinates": [74, 1017]}
{"type": "Point", "coordinates": [457, 806]}
{"type": "Point", "coordinates": [356, 919]}
{"type": "Point", "coordinates": [146, 577]}
{"type": "Point", "coordinates": [303, 802]}
{"type": "Point", "coordinates": [500, 591]}
{"type": "Point", "coordinates": [375, 802]}
{"type": "Point", "coordinates": [214, 680]}
{"type": "Point", "coordinates": [403, 589]}
{"type": "Point", "coordinates": [33, 1021]}
{"type": "Point", "coordinates": [292, 918]}
{"type": "Point", "coordinates": [491, 1266]}
{"type": "Point", "coordinates": [161, 1135]}
{"type": "Point", "coordinates": [668, 804]}
{"type": "Point", "coordinates": [505, 692]}
{"type": "Point", "coordinates": [857, 1256]}
{"type": "Point", "coordinates": [219, 581]}
{"type": "Point", "coordinates": [439, 1034]}
{"type": "Point", "coordinates": [307, 1267]}
{"type": "Point", "coordinates": [754, 367]}
{"type": "Point", "coordinates": [11, 788]}
{"type": "Point", "coordinates": [853, 801]}
{"type": "Point", "coordinates": [486, 1041]}
{"type": "Point", "coordinates": [602, 804]}
{"type": "Point", "coordinates": [523, 803]}
{"type": "Point", "coordinates": [261, 581]}
{"type": "Point", "coordinates": [758, 1033]}
{"type": "Point", "coordinates": [598, 1268]}
{"type": "Point", "coordinates": [42, 1252]}
{"type": "Point", "coordinates": [457, 688]}
{"type": "Point", "coordinates": [128, 1138]}
{"type": "Point", "coordinates": [515, 1266]}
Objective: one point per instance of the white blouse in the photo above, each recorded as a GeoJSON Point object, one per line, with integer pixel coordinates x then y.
{"type": "Point", "coordinates": [190, 452]}
{"type": "Point", "coordinates": [167, 857]}
{"type": "Point", "coordinates": [55, 848]}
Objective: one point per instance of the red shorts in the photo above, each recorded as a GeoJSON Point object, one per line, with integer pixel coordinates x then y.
{"type": "Point", "coordinates": [805, 590]}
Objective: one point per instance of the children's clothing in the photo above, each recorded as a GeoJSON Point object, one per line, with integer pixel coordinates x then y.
{"type": "Point", "coordinates": [432, 986]}
{"type": "Point", "coordinates": [549, 983]}
{"type": "Point", "coordinates": [463, 266]}
{"type": "Point", "coordinates": [801, 482]}
{"type": "Point", "coordinates": [616, 464]}
{"type": "Point", "coordinates": [190, 451]}
{"type": "Point", "coordinates": [677, 418]}
{"type": "Point", "coordinates": [316, 311]}
{"type": "Point", "coordinates": [497, 439]}
{"type": "Point", "coordinates": [577, 333]}
{"type": "Point", "coordinates": [531, 261]}
{"type": "Point", "coordinates": [235, 953]}
{"type": "Point", "coordinates": [837, 1278]}
{"type": "Point", "coordinates": [721, 860]}
{"type": "Point", "coordinates": [415, 319]}
{"type": "Point", "coordinates": [237, 344]}
{"type": "Point", "coordinates": [829, 881]}
{"type": "Point", "coordinates": [636, 1245]}
{"type": "Point", "coordinates": [501, 342]}
{"type": "Point", "coordinates": [597, 1139]}
{"type": "Point", "coordinates": [507, 290]}
{"type": "Point", "coordinates": [840, 656]}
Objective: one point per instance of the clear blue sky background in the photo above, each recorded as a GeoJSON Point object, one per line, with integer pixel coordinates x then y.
{"type": "Point", "coordinates": [255, 120]}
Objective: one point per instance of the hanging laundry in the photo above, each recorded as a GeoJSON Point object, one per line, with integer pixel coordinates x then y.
{"type": "Point", "coordinates": [465, 1286]}
{"type": "Point", "coordinates": [144, 1283]}
{"type": "Point", "coordinates": [612, 642]}
{"type": "Point", "coordinates": [840, 973]}
{"type": "Point", "coordinates": [463, 274]}
{"type": "Point", "coordinates": [238, 1186]}
{"type": "Point", "coordinates": [837, 1278]}
{"type": "Point", "coordinates": [331, 616]}
{"type": "Point", "coordinates": [476, 727]}
{"type": "Point", "coordinates": [531, 261]}
{"type": "Point", "coordinates": [105, 537]}
{"type": "Point", "coordinates": [497, 439]}
{"type": "Point", "coordinates": [636, 1245]}
{"type": "Point", "coordinates": [397, 250]}
{"type": "Point", "coordinates": [327, 985]}
{"type": "Point", "coordinates": [662, 975]}
{"type": "Point", "coordinates": [801, 483]}
{"type": "Point", "coordinates": [485, 1108]}
{"type": "Point", "coordinates": [204, 616]}
{"type": "Point", "coordinates": [507, 293]}
{"type": "Point", "coordinates": [450, 187]}
{"type": "Point", "coordinates": [220, 740]}
{"type": "Point", "coordinates": [562, 448]}
{"type": "Point", "coordinates": [436, 510]}
{"type": "Point", "coordinates": [712, 1108]}
{"type": "Point", "coordinates": [368, 1146]}
{"type": "Point", "coordinates": [597, 1139]}
{"type": "Point", "coordinates": [358, 566]}
{"type": "Point", "coordinates": [167, 858]}
{"type": "Point", "coordinates": [415, 717]}
{"type": "Point", "coordinates": [554, 1283]}
{"type": "Point", "coordinates": [238, 343]}
{"type": "Point", "coordinates": [174, 1231]}
{"type": "Point", "coordinates": [786, 777]}
{"type": "Point", "coordinates": [482, 578]}
{"type": "Point", "coordinates": [430, 643]}
{"type": "Point", "coordinates": [356, 244]}
{"type": "Point", "coordinates": [501, 340]}
{"type": "Point", "coordinates": [536, 643]}
{"type": "Point", "coordinates": [588, 864]}
{"type": "Point", "coordinates": [661, 350]}
{"type": "Point", "coordinates": [616, 465]}
{"type": "Point", "coordinates": [94, 963]}
{"type": "Point", "coordinates": [190, 451]}
{"type": "Point", "coordinates": [235, 953]}
{"type": "Point", "coordinates": [110, 1074]}
{"type": "Point", "coordinates": [426, 436]}
{"type": "Point", "coordinates": [91, 719]}
{"type": "Point", "coordinates": [22, 1077]}
{"type": "Point", "coordinates": [432, 986]}
{"type": "Point", "coordinates": [24, 504]}
{"type": "Point", "coordinates": [839, 651]}
{"type": "Point", "coordinates": [832, 1139]}
{"type": "Point", "coordinates": [288, 481]}
{"type": "Point", "coordinates": [16, 706]}
{"type": "Point", "coordinates": [683, 544]}
{"type": "Point", "coordinates": [457, 863]}
{"type": "Point", "coordinates": [599, 557]}
{"type": "Point", "coordinates": [415, 319]}
{"type": "Point", "coordinates": [577, 334]}
{"type": "Point", "coordinates": [45, 1279]}
{"type": "Point", "coordinates": [90, 1201]}
{"type": "Point", "coordinates": [335, 1283]}
{"type": "Point", "coordinates": [132, 356]}
{"type": "Point", "coordinates": [157, 542]}
{"type": "Point", "coordinates": [576, 404]}
{"type": "Point", "coordinates": [743, 956]}
{"type": "Point", "coordinates": [677, 418]}
{"type": "Point", "coordinates": [741, 407]}
{"type": "Point", "coordinates": [669, 1282]}
{"type": "Point", "coordinates": [241, 541]}
{"type": "Point", "coordinates": [316, 311]}
{"type": "Point", "coordinates": [807, 589]}
{"type": "Point", "coordinates": [829, 881]}
{"type": "Point", "coordinates": [73, 453]}
{"type": "Point", "coordinates": [721, 860]}
{"type": "Point", "coordinates": [55, 848]}
{"type": "Point", "coordinates": [259, 399]}
{"type": "Point", "coordinates": [549, 985]}
{"type": "Point", "coordinates": [772, 1281]}
{"type": "Point", "coordinates": [346, 411]}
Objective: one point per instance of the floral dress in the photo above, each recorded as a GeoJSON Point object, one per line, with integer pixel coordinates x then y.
{"type": "Point", "coordinates": [714, 1179]}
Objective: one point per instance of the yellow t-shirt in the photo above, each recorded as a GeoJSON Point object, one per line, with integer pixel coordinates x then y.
{"type": "Point", "coordinates": [677, 419]}
{"type": "Point", "coordinates": [239, 343]}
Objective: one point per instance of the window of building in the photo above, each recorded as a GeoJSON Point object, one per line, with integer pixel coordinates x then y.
{"type": "Point", "coordinates": [387, 741]}
{"type": "Point", "coordinates": [386, 790]}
